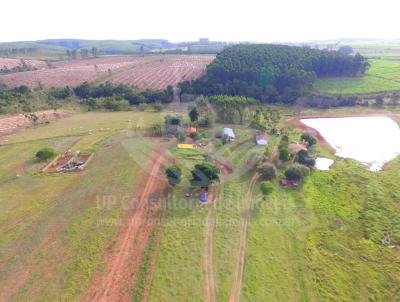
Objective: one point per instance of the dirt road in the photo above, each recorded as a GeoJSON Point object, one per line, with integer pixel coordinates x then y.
{"type": "Point", "coordinates": [238, 272]}
{"type": "Point", "coordinates": [208, 263]}
{"type": "Point", "coordinates": [116, 284]}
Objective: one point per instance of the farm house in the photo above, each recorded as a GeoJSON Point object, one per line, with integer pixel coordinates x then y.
{"type": "Point", "coordinates": [261, 139]}
{"type": "Point", "coordinates": [228, 132]}
{"type": "Point", "coordinates": [190, 130]}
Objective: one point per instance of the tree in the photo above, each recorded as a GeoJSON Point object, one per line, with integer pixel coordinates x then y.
{"type": "Point", "coordinates": [309, 139]}
{"type": "Point", "coordinates": [74, 54]}
{"type": "Point", "coordinates": [45, 153]}
{"type": "Point", "coordinates": [297, 172]}
{"type": "Point", "coordinates": [266, 187]}
{"type": "Point", "coordinates": [194, 114]}
{"type": "Point", "coordinates": [204, 175]}
{"type": "Point", "coordinates": [174, 175]}
{"type": "Point", "coordinates": [346, 50]}
{"type": "Point", "coordinates": [284, 154]}
{"type": "Point", "coordinates": [304, 159]}
{"type": "Point", "coordinates": [379, 101]}
{"type": "Point", "coordinates": [94, 51]}
{"type": "Point", "coordinates": [267, 171]}
{"type": "Point", "coordinates": [293, 173]}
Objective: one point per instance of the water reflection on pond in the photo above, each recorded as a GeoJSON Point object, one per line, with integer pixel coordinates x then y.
{"type": "Point", "coordinates": [372, 141]}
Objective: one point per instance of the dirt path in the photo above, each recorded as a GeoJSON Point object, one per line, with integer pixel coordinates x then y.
{"type": "Point", "coordinates": [154, 254]}
{"type": "Point", "coordinates": [239, 269]}
{"type": "Point", "coordinates": [116, 283]}
{"type": "Point", "coordinates": [208, 263]}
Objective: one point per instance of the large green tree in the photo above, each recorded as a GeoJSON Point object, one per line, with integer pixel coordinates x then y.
{"type": "Point", "coordinates": [204, 175]}
{"type": "Point", "coordinates": [174, 175]}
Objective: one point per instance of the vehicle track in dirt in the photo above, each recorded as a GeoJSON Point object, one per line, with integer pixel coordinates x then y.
{"type": "Point", "coordinates": [122, 265]}
{"type": "Point", "coordinates": [239, 269]}
{"type": "Point", "coordinates": [208, 262]}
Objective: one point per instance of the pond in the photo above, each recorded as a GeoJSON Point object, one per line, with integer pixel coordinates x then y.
{"type": "Point", "coordinates": [372, 141]}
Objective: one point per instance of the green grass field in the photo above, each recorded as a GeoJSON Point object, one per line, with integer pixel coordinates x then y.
{"type": "Point", "coordinates": [321, 242]}
{"type": "Point", "coordinates": [383, 75]}
{"type": "Point", "coordinates": [54, 229]}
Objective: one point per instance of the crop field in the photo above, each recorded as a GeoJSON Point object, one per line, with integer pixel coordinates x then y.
{"type": "Point", "coordinates": [65, 237]}
{"type": "Point", "coordinates": [155, 72]}
{"type": "Point", "coordinates": [383, 75]}
{"type": "Point", "coordinates": [10, 63]}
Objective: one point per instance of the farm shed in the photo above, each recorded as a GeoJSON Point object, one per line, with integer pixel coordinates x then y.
{"type": "Point", "coordinates": [261, 139]}
{"type": "Point", "coordinates": [228, 132]}
{"type": "Point", "coordinates": [185, 146]}
{"type": "Point", "coordinates": [190, 130]}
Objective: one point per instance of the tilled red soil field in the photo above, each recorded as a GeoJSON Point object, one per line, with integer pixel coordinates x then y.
{"type": "Point", "coordinates": [153, 72]}
{"type": "Point", "coordinates": [10, 63]}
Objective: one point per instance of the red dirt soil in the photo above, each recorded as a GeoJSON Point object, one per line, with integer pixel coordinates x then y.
{"type": "Point", "coordinates": [11, 63]}
{"type": "Point", "coordinates": [156, 72]}
{"type": "Point", "coordinates": [123, 261]}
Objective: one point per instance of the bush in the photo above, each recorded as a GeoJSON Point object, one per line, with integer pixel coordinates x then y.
{"type": "Point", "coordinates": [45, 153]}
{"type": "Point", "coordinates": [158, 107]}
{"type": "Point", "coordinates": [267, 171]}
{"type": "Point", "coordinates": [304, 159]}
{"type": "Point", "coordinates": [309, 139]}
{"type": "Point", "coordinates": [266, 188]}
{"type": "Point", "coordinates": [284, 154]}
{"type": "Point", "coordinates": [180, 135]}
{"type": "Point", "coordinates": [195, 135]}
{"type": "Point", "coordinates": [297, 172]}
{"type": "Point", "coordinates": [174, 175]}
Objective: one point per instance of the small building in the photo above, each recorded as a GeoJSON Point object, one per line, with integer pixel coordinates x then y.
{"type": "Point", "coordinates": [228, 132]}
{"type": "Point", "coordinates": [190, 130]}
{"type": "Point", "coordinates": [185, 146]}
{"type": "Point", "coordinates": [261, 139]}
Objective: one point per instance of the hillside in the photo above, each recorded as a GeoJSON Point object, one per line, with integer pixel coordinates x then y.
{"type": "Point", "coordinates": [145, 72]}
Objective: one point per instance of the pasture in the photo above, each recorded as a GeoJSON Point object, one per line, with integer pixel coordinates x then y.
{"type": "Point", "coordinates": [382, 76]}
{"type": "Point", "coordinates": [319, 242]}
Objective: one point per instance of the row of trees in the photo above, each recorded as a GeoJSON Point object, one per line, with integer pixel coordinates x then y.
{"type": "Point", "coordinates": [83, 53]}
{"type": "Point", "coordinates": [272, 73]}
{"type": "Point", "coordinates": [203, 175]}
{"type": "Point", "coordinates": [133, 95]}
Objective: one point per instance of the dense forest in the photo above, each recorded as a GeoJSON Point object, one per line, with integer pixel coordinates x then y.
{"type": "Point", "coordinates": [272, 73]}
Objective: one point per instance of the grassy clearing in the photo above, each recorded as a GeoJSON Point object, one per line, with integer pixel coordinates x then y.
{"type": "Point", "coordinates": [83, 123]}
{"type": "Point", "coordinates": [322, 243]}
{"type": "Point", "coordinates": [383, 75]}
{"type": "Point", "coordinates": [56, 227]}
{"type": "Point", "coordinates": [179, 275]}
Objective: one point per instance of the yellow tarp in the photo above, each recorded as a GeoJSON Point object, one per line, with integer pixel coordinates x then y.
{"type": "Point", "coordinates": [185, 146]}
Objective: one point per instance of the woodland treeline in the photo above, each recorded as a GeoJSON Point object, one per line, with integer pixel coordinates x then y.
{"type": "Point", "coordinates": [272, 73]}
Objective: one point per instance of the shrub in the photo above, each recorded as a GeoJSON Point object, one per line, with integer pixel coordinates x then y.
{"type": "Point", "coordinates": [304, 159]}
{"type": "Point", "coordinates": [180, 135]}
{"type": "Point", "coordinates": [297, 172]}
{"type": "Point", "coordinates": [157, 107]}
{"type": "Point", "coordinates": [266, 187]}
{"type": "Point", "coordinates": [45, 153]}
{"type": "Point", "coordinates": [284, 154]}
{"type": "Point", "coordinates": [267, 171]}
{"type": "Point", "coordinates": [309, 139]}
{"type": "Point", "coordinates": [195, 135]}
{"type": "Point", "coordinates": [174, 175]}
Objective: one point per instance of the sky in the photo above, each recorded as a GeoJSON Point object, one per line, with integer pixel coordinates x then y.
{"type": "Point", "coordinates": [188, 20]}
